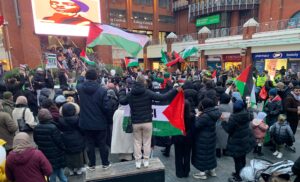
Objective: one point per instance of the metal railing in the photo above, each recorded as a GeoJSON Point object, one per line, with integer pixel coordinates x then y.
{"type": "Point", "coordinates": [278, 25]}
{"type": "Point", "coordinates": [224, 32]}
{"type": "Point", "coordinates": [212, 6]}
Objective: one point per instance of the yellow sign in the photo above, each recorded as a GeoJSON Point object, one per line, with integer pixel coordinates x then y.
{"type": "Point", "coordinates": [271, 65]}
{"type": "Point", "coordinates": [65, 17]}
{"type": "Point", "coordinates": [233, 65]}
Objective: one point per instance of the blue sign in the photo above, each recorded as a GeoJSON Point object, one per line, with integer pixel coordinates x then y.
{"type": "Point", "coordinates": [260, 66]}
{"type": "Point", "coordinates": [276, 55]}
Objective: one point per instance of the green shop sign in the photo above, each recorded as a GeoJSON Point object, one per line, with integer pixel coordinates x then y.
{"type": "Point", "coordinates": [214, 19]}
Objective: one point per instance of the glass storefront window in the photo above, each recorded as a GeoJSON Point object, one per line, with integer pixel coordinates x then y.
{"type": "Point", "coordinates": [142, 16]}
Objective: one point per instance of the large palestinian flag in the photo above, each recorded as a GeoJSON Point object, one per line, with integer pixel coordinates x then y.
{"type": "Point", "coordinates": [244, 82]}
{"type": "Point", "coordinates": [107, 35]}
{"type": "Point", "coordinates": [167, 120]}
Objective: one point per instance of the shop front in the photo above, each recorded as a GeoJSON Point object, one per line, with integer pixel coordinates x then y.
{"type": "Point", "coordinates": [232, 61]}
{"type": "Point", "coordinates": [272, 61]}
{"type": "Point", "coordinates": [214, 62]}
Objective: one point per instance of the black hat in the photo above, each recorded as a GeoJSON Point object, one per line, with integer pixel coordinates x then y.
{"type": "Point", "coordinates": [91, 74]}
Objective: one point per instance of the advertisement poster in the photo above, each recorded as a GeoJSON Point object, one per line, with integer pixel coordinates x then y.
{"type": "Point", "coordinates": [260, 66]}
{"type": "Point", "coordinates": [274, 64]}
{"type": "Point", "coordinates": [65, 17]}
{"type": "Point", "coordinates": [233, 65]}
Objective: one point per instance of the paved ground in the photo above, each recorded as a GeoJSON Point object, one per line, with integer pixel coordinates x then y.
{"type": "Point", "coordinates": [224, 169]}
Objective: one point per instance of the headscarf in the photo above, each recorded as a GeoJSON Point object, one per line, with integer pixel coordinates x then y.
{"type": "Point", "coordinates": [22, 142]}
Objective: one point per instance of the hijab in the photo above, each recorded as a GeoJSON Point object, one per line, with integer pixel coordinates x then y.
{"type": "Point", "coordinates": [21, 142]}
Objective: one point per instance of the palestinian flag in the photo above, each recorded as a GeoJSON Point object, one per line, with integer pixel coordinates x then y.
{"type": "Point", "coordinates": [164, 57]}
{"type": "Point", "coordinates": [188, 52]}
{"type": "Point", "coordinates": [131, 62]}
{"type": "Point", "coordinates": [100, 34]}
{"type": "Point", "coordinates": [214, 76]}
{"type": "Point", "coordinates": [253, 97]}
{"type": "Point", "coordinates": [244, 82]}
{"type": "Point", "coordinates": [85, 59]}
{"type": "Point", "coordinates": [162, 126]}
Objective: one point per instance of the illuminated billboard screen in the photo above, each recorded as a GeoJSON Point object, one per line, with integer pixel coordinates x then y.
{"type": "Point", "coordinates": [65, 17]}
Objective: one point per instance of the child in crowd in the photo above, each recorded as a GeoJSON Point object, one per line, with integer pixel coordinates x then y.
{"type": "Point", "coordinates": [281, 134]}
{"type": "Point", "coordinates": [259, 130]}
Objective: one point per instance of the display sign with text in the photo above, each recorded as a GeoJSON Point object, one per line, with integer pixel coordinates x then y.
{"type": "Point", "coordinates": [65, 17]}
{"type": "Point", "coordinates": [214, 19]}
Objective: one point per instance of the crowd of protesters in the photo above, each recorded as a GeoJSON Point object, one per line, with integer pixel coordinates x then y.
{"type": "Point", "coordinates": [49, 129]}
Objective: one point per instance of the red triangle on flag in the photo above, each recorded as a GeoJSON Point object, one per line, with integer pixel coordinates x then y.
{"type": "Point", "coordinates": [82, 53]}
{"type": "Point", "coordinates": [175, 112]}
{"type": "Point", "coordinates": [244, 75]}
{"type": "Point", "coordinates": [94, 32]}
{"type": "Point", "coordinates": [214, 75]}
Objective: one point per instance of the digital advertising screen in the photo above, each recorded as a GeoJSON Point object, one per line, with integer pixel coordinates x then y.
{"type": "Point", "coordinates": [65, 17]}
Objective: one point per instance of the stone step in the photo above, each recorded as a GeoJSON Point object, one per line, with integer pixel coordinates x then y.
{"type": "Point", "coordinates": [127, 172]}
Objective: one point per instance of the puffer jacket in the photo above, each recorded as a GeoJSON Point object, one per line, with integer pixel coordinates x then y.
{"type": "Point", "coordinates": [140, 102]}
{"type": "Point", "coordinates": [282, 133]}
{"type": "Point", "coordinates": [49, 140]}
{"type": "Point", "coordinates": [94, 104]}
{"type": "Point", "coordinates": [259, 130]}
{"type": "Point", "coordinates": [71, 134]}
{"type": "Point", "coordinates": [273, 108]}
{"type": "Point", "coordinates": [204, 147]}
{"type": "Point", "coordinates": [8, 106]}
{"type": "Point", "coordinates": [241, 140]}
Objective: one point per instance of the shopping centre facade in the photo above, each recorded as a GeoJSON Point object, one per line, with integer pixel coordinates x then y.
{"type": "Point", "coordinates": [223, 30]}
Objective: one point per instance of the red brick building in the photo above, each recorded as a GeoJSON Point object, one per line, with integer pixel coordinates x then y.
{"type": "Point", "coordinates": [156, 18]}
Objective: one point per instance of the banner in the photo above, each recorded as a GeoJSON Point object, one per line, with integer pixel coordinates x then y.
{"type": "Point", "coordinates": [161, 125]}
{"type": "Point", "coordinates": [51, 61]}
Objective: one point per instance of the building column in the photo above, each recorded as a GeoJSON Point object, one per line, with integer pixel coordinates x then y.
{"type": "Point", "coordinates": [249, 29]}
{"type": "Point", "coordinates": [155, 20]}
{"type": "Point", "coordinates": [147, 65]}
{"type": "Point", "coordinates": [129, 14]}
{"type": "Point", "coordinates": [202, 36]}
{"type": "Point", "coordinates": [235, 20]}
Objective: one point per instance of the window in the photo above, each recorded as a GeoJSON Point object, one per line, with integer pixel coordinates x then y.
{"type": "Point", "coordinates": [144, 2]}
{"type": "Point", "coordinates": [116, 13]}
{"type": "Point", "coordinates": [164, 3]}
{"type": "Point", "coordinates": [166, 19]}
{"type": "Point", "coordinates": [294, 21]}
{"type": "Point", "coordinates": [146, 17]}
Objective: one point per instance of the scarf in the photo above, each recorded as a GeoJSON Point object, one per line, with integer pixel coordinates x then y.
{"type": "Point", "coordinates": [295, 96]}
{"type": "Point", "coordinates": [22, 142]}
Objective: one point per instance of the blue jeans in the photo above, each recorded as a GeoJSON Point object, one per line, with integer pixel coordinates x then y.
{"type": "Point", "coordinates": [58, 173]}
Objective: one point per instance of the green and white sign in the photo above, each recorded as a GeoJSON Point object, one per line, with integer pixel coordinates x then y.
{"type": "Point", "coordinates": [214, 19]}
{"type": "Point", "coordinates": [161, 125]}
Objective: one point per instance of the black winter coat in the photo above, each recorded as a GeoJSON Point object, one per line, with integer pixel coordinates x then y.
{"type": "Point", "coordinates": [40, 81]}
{"type": "Point", "coordinates": [140, 102]}
{"type": "Point", "coordinates": [296, 170]}
{"type": "Point", "coordinates": [72, 136]}
{"type": "Point", "coordinates": [32, 101]}
{"type": "Point", "coordinates": [273, 109]}
{"type": "Point", "coordinates": [204, 147]}
{"type": "Point", "coordinates": [49, 140]}
{"type": "Point", "coordinates": [94, 104]}
{"type": "Point", "coordinates": [240, 140]}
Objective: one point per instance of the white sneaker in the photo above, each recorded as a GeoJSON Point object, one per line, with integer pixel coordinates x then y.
{"type": "Point", "coordinates": [146, 163]}
{"type": "Point", "coordinates": [279, 156]}
{"type": "Point", "coordinates": [80, 171]}
{"type": "Point", "coordinates": [212, 173]}
{"type": "Point", "coordinates": [276, 153]}
{"type": "Point", "coordinates": [138, 164]}
{"type": "Point", "coordinates": [200, 175]}
{"type": "Point", "coordinates": [71, 172]}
